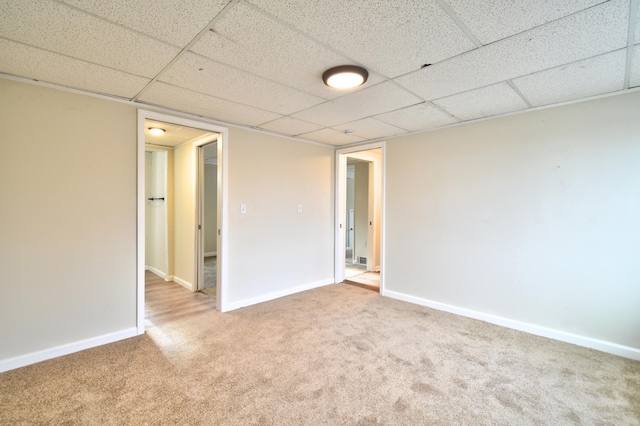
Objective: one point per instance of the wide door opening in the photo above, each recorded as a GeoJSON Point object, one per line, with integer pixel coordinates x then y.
{"type": "Point", "coordinates": [169, 217]}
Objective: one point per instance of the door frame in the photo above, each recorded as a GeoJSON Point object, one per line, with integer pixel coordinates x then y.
{"type": "Point", "coordinates": [341, 205]}
{"type": "Point", "coordinates": [223, 197]}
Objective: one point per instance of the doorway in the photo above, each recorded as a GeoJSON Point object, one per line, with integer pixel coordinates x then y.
{"type": "Point", "coordinates": [182, 223]}
{"type": "Point", "coordinates": [357, 216]}
{"type": "Point", "coordinates": [360, 216]}
{"type": "Point", "coordinates": [207, 254]}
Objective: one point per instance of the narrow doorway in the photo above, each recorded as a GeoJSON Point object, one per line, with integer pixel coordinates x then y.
{"type": "Point", "coordinates": [359, 231]}
{"type": "Point", "coordinates": [357, 214]}
{"type": "Point", "coordinates": [208, 222]}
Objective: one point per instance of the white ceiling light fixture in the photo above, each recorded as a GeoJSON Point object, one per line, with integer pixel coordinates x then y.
{"type": "Point", "coordinates": [345, 76]}
{"type": "Point", "coordinates": [156, 131]}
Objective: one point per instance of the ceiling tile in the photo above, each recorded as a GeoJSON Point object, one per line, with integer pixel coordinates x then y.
{"type": "Point", "coordinates": [181, 99]}
{"type": "Point", "coordinates": [491, 20]}
{"type": "Point", "coordinates": [332, 137]}
{"type": "Point", "coordinates": [173, 22]}
{"type": "Point", "coordinates": [635, 67]}
{"type": "Point", "coordinates": [417, 117]}
{"type": "Point", "coordinates": [247, 39]}
{"type": "Point", "coordinates": [597, 30]}
{"type": "Point", "coordinates": [487, 101]}
{"type": "Point", "coordinates": [594, 76]}
{"type": "Point", "coordinates": [364, 103]}
{"type": "Point", "coordinates": [203, 75]}
{"type": "Point", "coordinates": [404, 34]}
{"type": "Point", "coordinates": [370, 128]}
{"type": "Point", "coordinates": [30, 62]}
{"type": "Point", "coordinates": [290, 126]}
{"type": "Point", "coordinates": [45, 24]}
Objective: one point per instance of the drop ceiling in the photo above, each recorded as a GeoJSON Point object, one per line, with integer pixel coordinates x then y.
{"type": "Point", "coordinates": [258, 63]}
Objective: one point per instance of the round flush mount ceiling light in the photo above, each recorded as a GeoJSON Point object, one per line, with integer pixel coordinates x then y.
{"type": "Point", "coordinates": [345, 76]}
{"type": "Point", "coordinates": [156, 131]}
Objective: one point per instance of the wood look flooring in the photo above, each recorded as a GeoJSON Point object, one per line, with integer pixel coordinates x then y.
{"type": "Point", "coordinates": [368, 280]}
{"type": "Point", "coordinates": [166, 301]}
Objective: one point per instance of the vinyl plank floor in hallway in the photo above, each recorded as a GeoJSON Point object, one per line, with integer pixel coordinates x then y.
{"type": "Point", "coordinates": [166, 301]}
{"type": "Point", "coordinates": [368, 280]}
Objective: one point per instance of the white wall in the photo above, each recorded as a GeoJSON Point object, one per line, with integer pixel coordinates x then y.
{"type": "Point", "coordinates": [184, 187]}
{"type": "Point", "coordinates": [156, 250]}
{"type": "Point", "coordinates": [532, 217]}
{"type": "Point", "coordinates": [273, 250]}
{"type": "Point", "coordinates": [67, 220]}
{"type": "Point", "coordinates": [170, 197]}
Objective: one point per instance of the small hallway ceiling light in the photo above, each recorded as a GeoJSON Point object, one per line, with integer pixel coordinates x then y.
{"type": "Point", "coordinates": [156, 131]}
{"type": "Point", "coordinates": [345, 76]}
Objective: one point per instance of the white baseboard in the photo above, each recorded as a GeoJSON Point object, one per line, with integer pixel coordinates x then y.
{"type": "Point", "coordinates": [211, 253]}
{"type": "Point", "coordinates": [563, 336]}
{"type": "Point", "coordinates": [43, 355]}
{"type": "Point", "coordinates": [158, 272]}
{"type": "Point", "coordinates": [184, 283]}
{"type": "Point", "coordinates": [276, 295]}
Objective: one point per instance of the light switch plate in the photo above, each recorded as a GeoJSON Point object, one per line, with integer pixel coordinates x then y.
{"type": "Point", "coordinates": [243, 208]}
{"type": "Point", "coordinates": [299, 208]}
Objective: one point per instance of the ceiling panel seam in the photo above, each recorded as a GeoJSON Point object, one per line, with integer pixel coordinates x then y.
{"type": "Point", "coordinates": [519, 93]}
{"type": "Point", "coordinates": [289, 116]}
{"type": "Point", "coordinates": [222, 99]}
{"type": "Point", "coordinates": [186, 49]}
{"type": "Point", "coordinates": [442, 110]}
{"type": "Point", "coordinates": [425, 101]}
{"type": "Point", "coordinates": [512, 78]}
{"type": "Point", "coordinates": [503, 39]}
{"type": "Point", "coordinates": [548, 23]}
{"type": "Point", "coordinates": [631, 37]}
{"type": "Point", "coordinates": [339, 97]}
{"type": "Point", "coordinates": [262, 78]}
{"type": "Point", "coordinates": [133, 30]}
{"type": "Point", "coordinates": [456, 19]}
{"type": "Point", "coordinates": [73, 57]}
{"type": "Point", "coordinates": [309, 37]}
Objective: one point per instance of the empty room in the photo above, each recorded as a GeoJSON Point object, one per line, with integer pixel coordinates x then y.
{"type": "Point", "coordinates": [188, 187]}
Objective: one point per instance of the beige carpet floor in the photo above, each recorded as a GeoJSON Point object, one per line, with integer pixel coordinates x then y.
{"type": "Point", "coordinates": [333, 355]}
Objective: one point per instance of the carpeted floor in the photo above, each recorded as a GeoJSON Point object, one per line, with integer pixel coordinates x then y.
{"type": "Point", "coordinates": [333, 355]}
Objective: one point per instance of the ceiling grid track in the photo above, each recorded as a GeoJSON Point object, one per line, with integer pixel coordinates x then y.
{"type": "Point", "coordinates": [312, 39]}
{"type": "Point", "coordinates": [188, 47]}
{"type": "Point", "coordinates": [519, 93]}
{"type": "Point", "coordinates": [445, 6]}
{"type": "Point", "coordinates": [75, 59]}
{"type": "Point", "coordinates": [117, 24]}
{"type": "Point", "coordinates": [631, 35]}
